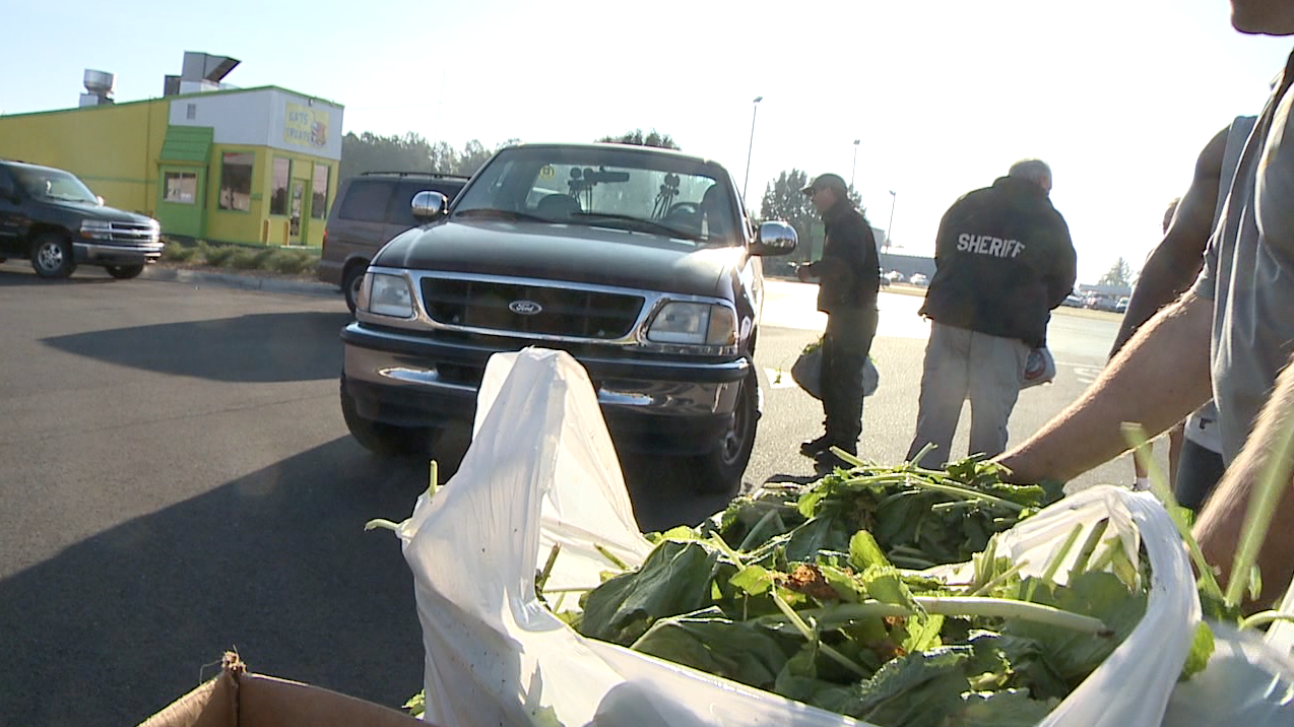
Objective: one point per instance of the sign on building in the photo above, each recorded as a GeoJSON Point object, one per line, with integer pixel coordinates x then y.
{"type": "Point", "coordinates": [305, 126]}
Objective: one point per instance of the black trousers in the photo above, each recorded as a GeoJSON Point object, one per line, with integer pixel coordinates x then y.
{"type": "Point", "coordinates": [1198, 471]}
{"type": "Point", "coordinates": [845, 347]}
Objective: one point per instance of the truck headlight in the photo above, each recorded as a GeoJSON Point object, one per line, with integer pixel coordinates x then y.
{"type": "Point", "coordinates": [698, 324]}
{"type": "Point", "coordinates": [96, 230]}
{"type": "Point", "coordinates": [386, 295]}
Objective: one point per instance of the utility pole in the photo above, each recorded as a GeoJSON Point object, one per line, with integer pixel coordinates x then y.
{"type": "Point", "coordinates": [854, 168]}
{"type": "Point", "coordinates": [750, 148]}
{"type": "Point", "coordinates": [894, 198]}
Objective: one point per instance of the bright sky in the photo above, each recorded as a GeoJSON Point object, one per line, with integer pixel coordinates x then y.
{"type": "Point", "coordinates": [1117, 95]}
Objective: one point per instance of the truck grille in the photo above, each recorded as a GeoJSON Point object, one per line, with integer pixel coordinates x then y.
{"type": "Point", "coordinates": [561, 311]}
{"type": "Point", "coordinates": [133, 234]}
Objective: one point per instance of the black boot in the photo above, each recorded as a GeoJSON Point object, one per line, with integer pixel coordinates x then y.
{"type": "Point", "coordinates": [814, 447]}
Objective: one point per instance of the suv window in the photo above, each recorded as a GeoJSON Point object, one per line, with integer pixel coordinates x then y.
{"type": "Point", "coordinates": [366, 200]}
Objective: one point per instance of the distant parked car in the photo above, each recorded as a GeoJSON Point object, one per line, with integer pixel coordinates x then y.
{"type": "Point", "coordinates": [1073, 301]}
{"type": "Point", "coordinates": [51, 218]}
{"type": "Point", "coordinates": [1122, 305]}
{"type": "Point", "coordinates": [919, 279]}
{"type": "Point", "coordinates": [893, 276]}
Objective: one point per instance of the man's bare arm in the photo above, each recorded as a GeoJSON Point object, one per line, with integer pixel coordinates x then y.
{"type": "Point", "coordinates": [1177, 260]}
{"type": "Point", "coordinates": [1159, 378]}
{"type": "Point", "coordinates": [1219, 525]}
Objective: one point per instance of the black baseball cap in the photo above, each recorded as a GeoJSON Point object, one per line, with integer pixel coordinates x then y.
{"type": "Point", "coordinates": [833, 181]}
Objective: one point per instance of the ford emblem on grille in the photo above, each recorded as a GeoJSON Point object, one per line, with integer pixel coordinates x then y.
{"type": "Point", "coordinates": [525, 307]}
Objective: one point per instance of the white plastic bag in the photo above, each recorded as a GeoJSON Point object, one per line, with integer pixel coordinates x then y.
{"type": "Point", "coordinates": [541, 470]}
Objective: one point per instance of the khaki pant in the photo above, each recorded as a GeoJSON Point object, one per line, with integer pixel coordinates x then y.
{"type": "Point", "coordinates": [960, 365]}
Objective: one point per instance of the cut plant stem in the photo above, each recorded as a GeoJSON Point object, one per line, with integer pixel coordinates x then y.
{"type": "Point", "coordinates": [1135, 435]}
{"type": "Point", "coordinates": [811, 635]}
{"type": "Point", "coordinates": [1265, 617]}
{"type": "Point", "coordinates": [1089, 547]}
{"type": "Point", "coordinates": [957, 606]}
{"type": "Point", "coordinates": [999, 579]}
{"type": "Point", "coordinates": [1053, 565]}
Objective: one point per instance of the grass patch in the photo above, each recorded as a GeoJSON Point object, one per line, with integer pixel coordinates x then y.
{"type": "Point", "coordinates": [243, 257]}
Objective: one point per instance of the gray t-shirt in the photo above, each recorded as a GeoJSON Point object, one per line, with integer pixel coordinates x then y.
{"type": "Point", "coordinates": [1249, 273]}
{"type": "Point", "coordinates": [1202, 426]}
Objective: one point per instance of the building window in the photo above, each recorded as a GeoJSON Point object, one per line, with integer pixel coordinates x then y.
{"type": "Point", "coordinates": [279, 192]}
{"type": "Point", "coordinates": [236, 181]}
{"type": "Point", "coordinates": [181, 187]}
{"type": "Point", "coordinates": [319, 193]}
{"type": "Point", "coordinates": [191, 111]}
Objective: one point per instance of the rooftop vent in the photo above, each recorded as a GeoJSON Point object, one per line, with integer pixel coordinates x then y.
{"type": "Point", "coordinates": [99, 86]}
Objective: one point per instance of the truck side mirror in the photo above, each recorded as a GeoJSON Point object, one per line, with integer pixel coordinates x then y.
{"type": "Point", "coordinates": [774, 238]}
{"type": "Point", "coordinates": [427, 206]}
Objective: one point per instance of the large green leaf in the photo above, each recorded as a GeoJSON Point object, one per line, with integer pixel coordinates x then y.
{"type": "Point", "coordinates": [675, 579]}
{"type": "Point", "coordinates": [709, 641]}
{"type": "Point", "coordinates": [1074, 655]}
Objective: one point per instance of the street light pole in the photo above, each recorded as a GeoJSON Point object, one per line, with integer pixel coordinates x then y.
{"type": "Point", "coordinates": [894, 198]}
{"type": "Point", "coordinates": [854, 168]}
{"type": "Point", "coordinates": [750, 148]}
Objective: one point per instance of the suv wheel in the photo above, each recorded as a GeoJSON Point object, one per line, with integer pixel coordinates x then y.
{"type": "Point", "coordinates": [382, 439]}
{"type": "Point", "coordinates": [124, 272]}
{"type": "Point", "coordinates": [350, 283]}
{"type": "Point", "coordinates": [721, 470]}
{"type": "Point", "coordinates": [51, 256]}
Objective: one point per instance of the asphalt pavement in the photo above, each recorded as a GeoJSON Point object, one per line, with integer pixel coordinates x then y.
{"type": "Point", "coordinates": [177, 480]}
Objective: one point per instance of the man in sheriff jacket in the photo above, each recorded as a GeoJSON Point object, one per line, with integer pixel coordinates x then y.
{"type": "Point", "coordinates": [849, 275]}
{"type": "Point", "coordinates": [1004, 260]}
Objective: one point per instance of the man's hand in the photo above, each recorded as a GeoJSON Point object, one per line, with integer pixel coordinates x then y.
{"type": "Point", "coordinates": [1159, 378]}
{"type": "Point", "coordinates": [805, 273]}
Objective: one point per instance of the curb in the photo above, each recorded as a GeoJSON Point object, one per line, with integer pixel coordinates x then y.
{"type": "Point", "coordinates": [240, 282]}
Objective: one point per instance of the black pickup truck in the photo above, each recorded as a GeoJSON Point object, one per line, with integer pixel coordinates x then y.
{"type": "Point", "coordinates": [50, 217]}
{"type": "Point", "coordinates": [640, 262]}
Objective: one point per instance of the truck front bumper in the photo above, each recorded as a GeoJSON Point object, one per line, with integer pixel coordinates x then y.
{"type": "Point", "coordinates": [675, 407]}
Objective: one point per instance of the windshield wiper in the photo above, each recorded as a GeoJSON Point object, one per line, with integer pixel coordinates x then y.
{"type": "Point", "coordinates": [640, 224]}
{"type": "Point", "coordinates": [501, 214]}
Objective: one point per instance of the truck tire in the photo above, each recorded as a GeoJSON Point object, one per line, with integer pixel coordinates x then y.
{"type": "Point", "coordinates": [350, 282]}
{"type": "Point", "coordinates": [722, 468]}
{"type": "Point", "coordinates": [386, 440]}
{"type": "Point", "coordinates": [51, 256]}
{"type": "Point", "coordinates": [124, 272]}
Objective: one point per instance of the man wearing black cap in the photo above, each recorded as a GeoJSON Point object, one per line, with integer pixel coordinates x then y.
{"type": "Point", "coordinates": [1003, 261]}
{"type": "Point", "coordinates": [849, 276]}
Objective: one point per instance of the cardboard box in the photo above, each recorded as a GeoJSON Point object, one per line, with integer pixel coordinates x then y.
{"type": "Point", "coordinates": [238, 698]}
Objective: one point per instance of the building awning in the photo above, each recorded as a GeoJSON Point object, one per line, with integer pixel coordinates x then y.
{"type": "Point", "coordinates": [187, 144]}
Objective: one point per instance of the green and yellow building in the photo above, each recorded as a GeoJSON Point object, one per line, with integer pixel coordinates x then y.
{"type": "Point", "coordinates": [256, 165]}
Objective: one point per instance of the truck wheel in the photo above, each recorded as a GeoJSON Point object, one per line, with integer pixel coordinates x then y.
{"type": "Point", "coordinates": [125, 272]}
{"type": "Point", "coordinates": [721, 469]}
{"type": "Point", "coordinates": [350, 282]}
{"type": "Point", "coordinates": [51, 256]}
{"type": "Point", "coordinates": [386, 440]}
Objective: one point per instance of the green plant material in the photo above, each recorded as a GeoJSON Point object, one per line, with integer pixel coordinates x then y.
{"type": "Point", "coordinates": [1135, 435]}
{"type": "Point", "coordinates": [176, 252]}
{"type": "Point", "coordinates": [219, 255]}
{"type": "Point", "coordinates": [417, 704]}
{"type": "Point", "coordinates": [1201, 650]}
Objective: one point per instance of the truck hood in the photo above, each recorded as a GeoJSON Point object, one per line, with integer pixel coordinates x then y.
{"type": "Point", "coordinates": [89, 211]}
{"type": "Point", "coordinates": [569, 253]}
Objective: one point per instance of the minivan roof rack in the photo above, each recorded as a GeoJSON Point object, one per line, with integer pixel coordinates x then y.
{"type": "Point", "coordinates": [415, 174]}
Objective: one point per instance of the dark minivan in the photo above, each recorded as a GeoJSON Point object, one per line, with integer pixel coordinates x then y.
{"type": "Point", "coordinates": [371, 209]}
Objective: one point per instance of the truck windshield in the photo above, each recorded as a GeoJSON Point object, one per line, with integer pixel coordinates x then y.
{"type": "Point", "coordinates": [54, 185]}
{"type": "Point", "coordinates": [658, 194]}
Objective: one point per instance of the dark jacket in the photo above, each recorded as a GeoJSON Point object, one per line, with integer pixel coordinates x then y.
{"type": "Point", "coordinates": [1003, 261]}
{"type": "Point", "coordinates": [849, 271]}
